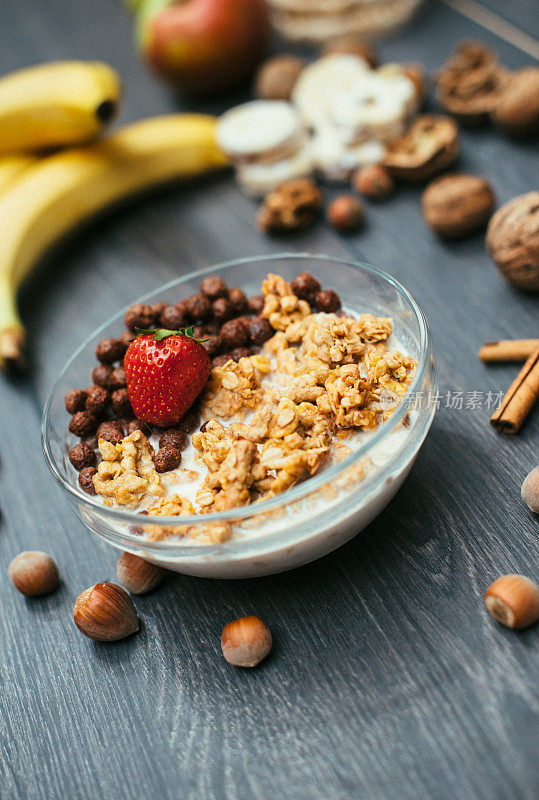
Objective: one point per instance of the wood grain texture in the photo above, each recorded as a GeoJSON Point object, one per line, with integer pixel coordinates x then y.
{"type": "Point", "coordinates": [388, 678]}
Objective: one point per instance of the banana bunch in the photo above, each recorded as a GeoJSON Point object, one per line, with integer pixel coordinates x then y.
{"type": "Point", "coordinates": [43, 198]}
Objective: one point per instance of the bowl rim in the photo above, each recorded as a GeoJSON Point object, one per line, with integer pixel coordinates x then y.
{"type": "Point", "coordinates": [295, 493]}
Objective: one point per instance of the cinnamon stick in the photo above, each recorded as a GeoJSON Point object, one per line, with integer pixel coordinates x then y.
{"type": "Point", "coordinates": [519, 398]}
{"type": "Point", "coordinates": [508, 350]}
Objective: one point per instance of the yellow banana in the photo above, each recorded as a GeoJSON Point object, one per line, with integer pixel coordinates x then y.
{"type": "Point", "coordinates": [64, 189]}
{"type": "Point", "coordinates": [12, 167]}
{"type": "Point", "coordinates": [56, 104]}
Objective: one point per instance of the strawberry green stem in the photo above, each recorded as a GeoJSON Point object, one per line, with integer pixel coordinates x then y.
{"type": "Point", "coordinates": [162, 333]}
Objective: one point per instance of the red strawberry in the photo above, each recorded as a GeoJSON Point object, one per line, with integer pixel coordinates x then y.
{"type": "Point", "coordinates": [165, 372]}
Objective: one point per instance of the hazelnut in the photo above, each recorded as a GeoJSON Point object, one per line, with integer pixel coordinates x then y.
{"type": "Point", "coordinates": [105, 612]}
{"type": "Point", "coordinates": [198, 308]}
{"type": "Point", "coordinates": [234, 333]}
{"type": "Point", "coordinates": [517, 108]}
{"type": "Point", "coordinates": [172, 318]}
{"type": "Point", "coordinates": [530, 490]}
{"type": "Point", "coordinates": [82, 423]}
{"type": "Point", "coordinates": [256, 304]}
{"type": "Point", "coordinates": [117, 379]}
{"type": "Point", "coordinates": [457, 205]}
{"type": "Point", "coordinates": [277, 77]}
{"type": "Point", "coordinates": [34, 573]}
{"type": "Point", "coordinates": [351, 45]}
{"type": "Point", "coordinates": [139, 316]}
{"type": "Point", "coordinates": [328, 301]}
{"type": "Point", "coordinates": [513, 600]}
{"type": "Point", "coordinates": [429, 146]}
{"type": "Point", "coordinates": [101, 375]}
{"type": "Point", "coordinates": [173, 438]}
{"type": "Point", "coordinates": [137, 575]}
{"type": "Point", "coordinates": [238, 299]}
{"type": "Point", "coordinates": [260, 330]}
{"type": "Point", "coordinates": [82, 456]}
{"type": "Point", "coordinates": [214, 287]}
{"type": "Point", "coordinates": [292, 206]}
{"type": "Point", "coordinates": [97, 400]}
{"type": "Point", "coordinates": [513, 240]}
{"type": "Point", "coordinates": [375, 182]}
{"type": "Point", "coordinates": [120, 402]}
{"type": "Point", "coordinates": [346, 213]}
{"type": "Point", "coordinates": [109, 350]}
{"type": "Point", "coordinates": [222, 309]}
{"type": "Point", "coordinates": [305, 286]}
{"type": "Point", "coordinates": [75, 400]}
{"type": "Point", "coordinates": [111, 431]}
{"type": "Point", "coordinates": [86, 482]}
{"type": "Point", "coordinates": [167, 458]}
{"type": "Point", "coordinates": [246, 641]}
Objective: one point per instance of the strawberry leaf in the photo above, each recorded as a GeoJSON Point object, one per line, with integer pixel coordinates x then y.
{"type": "Point", "coordinates": [162, 333]}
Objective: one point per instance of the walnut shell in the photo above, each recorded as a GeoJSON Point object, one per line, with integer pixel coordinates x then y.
{"type": "Point", "coordinates": [513, 240]}
{"type": "Point", "coordinates": [517, 109]}
{"type": "Point", "coordinates": [457, 205]}
{"type": "Point", "coordinates": [429, 146]}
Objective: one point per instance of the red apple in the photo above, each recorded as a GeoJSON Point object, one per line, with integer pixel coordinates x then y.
{"type": "Point", "coordinates": [205, 46]}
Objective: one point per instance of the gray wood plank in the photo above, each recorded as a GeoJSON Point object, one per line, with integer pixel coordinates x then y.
{"type": "Point", "coordinates": [388, 679]}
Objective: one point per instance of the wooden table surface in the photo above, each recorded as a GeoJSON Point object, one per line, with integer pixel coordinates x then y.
{"type": "Point", "coordinates": [388, 679]}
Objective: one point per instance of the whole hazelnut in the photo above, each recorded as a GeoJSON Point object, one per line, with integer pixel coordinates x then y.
{"type": "Point", "coordinates": [82, 456]}
{"type": "Point", "coordinates": [109, 350]}
{"type": "Point", "coordinates": [139, 316]}
{"type": "Point", "coordinates": [457, 205]}
{"type": "Point", "coordinates": [214, 287]}
{"type": "Point", "coordinates": [105, 612]}
{"type": "Point", "coordinates": [328, 301]}
{"type": "Point", "coordinates": [246, 641]}
{"type": "Point", "coordinates": [137, 575]}
{"type": "Point", "coordinates": [346, 213]}
{"type": "Point", "coordinates": [277, 77]}
{"type": "Point", "coordinates": [34, 573]}
{"type": "Point", "coordinates": [350, 44]}
{"type": "Point", "coordinates": [82, 423]}
{"type": "Point", "coordinates": [86, 482]}
{"type": "Point", "coordinates": [530, 490]}
{"type": "Point", "coordinates": [513, 240]}
{"type": "Point", "coordinates": [375, 182]}
{"type": "Point", "coordinates": [517, 108]}
{"type": "Point", "coordinates": [513, 600]}
{"type": "Point", "coordinates": [75, 400]}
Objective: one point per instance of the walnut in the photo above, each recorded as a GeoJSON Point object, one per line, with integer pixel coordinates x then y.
{"type": "Point", "coordinates": [293, 205]}
{"type": "Point", "coordinates": [470, 83]}
{"type": "Point", "coordinates": [429, 146]}
{"type": "Point", "coordinates": [127, 472]}
{"type": "Point", "coordinates": [513, 240]}
{"type": "Point", "coordinates": [277, 77]}
{"type": "Point", "coordinates": [517, 108]}
{"type": "Point", "coordinates": [457, 205]}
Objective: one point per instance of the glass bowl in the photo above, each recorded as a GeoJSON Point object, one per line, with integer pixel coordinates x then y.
{"type": "Point", "coordinates": [314, 517]}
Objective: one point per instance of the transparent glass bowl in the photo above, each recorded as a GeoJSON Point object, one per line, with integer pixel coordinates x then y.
{"type": "Point", "coordinates": [311, 519]}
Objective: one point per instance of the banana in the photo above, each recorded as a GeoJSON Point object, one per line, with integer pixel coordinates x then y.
{"type": "Point", "coordinates": [12, 167]}
{"type": "Point", "coordinates": [56, 104]}
{"type": "Point", "coordinates": [63, 190]}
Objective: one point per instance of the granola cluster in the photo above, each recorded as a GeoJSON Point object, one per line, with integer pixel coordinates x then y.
{"type": "Point", "coordinates": [272, 419]}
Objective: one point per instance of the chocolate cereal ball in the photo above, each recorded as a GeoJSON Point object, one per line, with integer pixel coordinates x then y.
{"type": "Point", "coordinates": [82, 456]}
{"type": "Point", "coordinates": [158, 308]}
{"type": "Point", "coordinates": [109, 350]}
{"type": "Point", "coordinates": [82, 423]}
{"type": "Point", "coordinates": [218, 361]}
{"type": "Point", "coordinates": [97, 400]}
{"type": "Point", "coordinates": [117, 379]}
{"type": "Point", "coordinates": [222, 309]}
{"type": "Point", "coordinates": [238, 300]}
{"type": "Point", "coordinates": [198, 307]}
{"type": "Point", "coordinates": [126, 338]}
{"type": "Point", "coordinates": [212, 345]}
{"type": "Point", "coordinates": [240, 352]}
{"type": "Point", "coordinates": [213, 287]}
{"type": "Point", "coordinates": [139, 316]}
{"type": "Point", "coordinates": [101, 375]}
{"type": "Point", "coordinates": [138, 425]}
{"type": "Point", "coordinates": [327, 300]}
{"type": "Point", "coordinates": [91, 441]}
{"type": "Point", "coordinates": [85, 479]}
{"type": "Point", "coordinates": [256, 304]}
{"type": "Point", "coordinates": [234, 333]}
{"type": "Point", "coordinates": [111, 431]}
{"type": "Point", "coordinates": [260, 330]}
{"type": "Point", "coordinates": [172, 318]}
{"type": "Point", "coordinates": [305, 286]}
{"type": "Point", "coordinates": [75, 400]}
{"type": "Point", "coordinates": [190, 421]}
{"type": "Point", "coordinates": [120, 402]}
{"type": "Point", "coordinates": [174, 438]}
{"type": "Point", "coordinates": [167, 458]}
